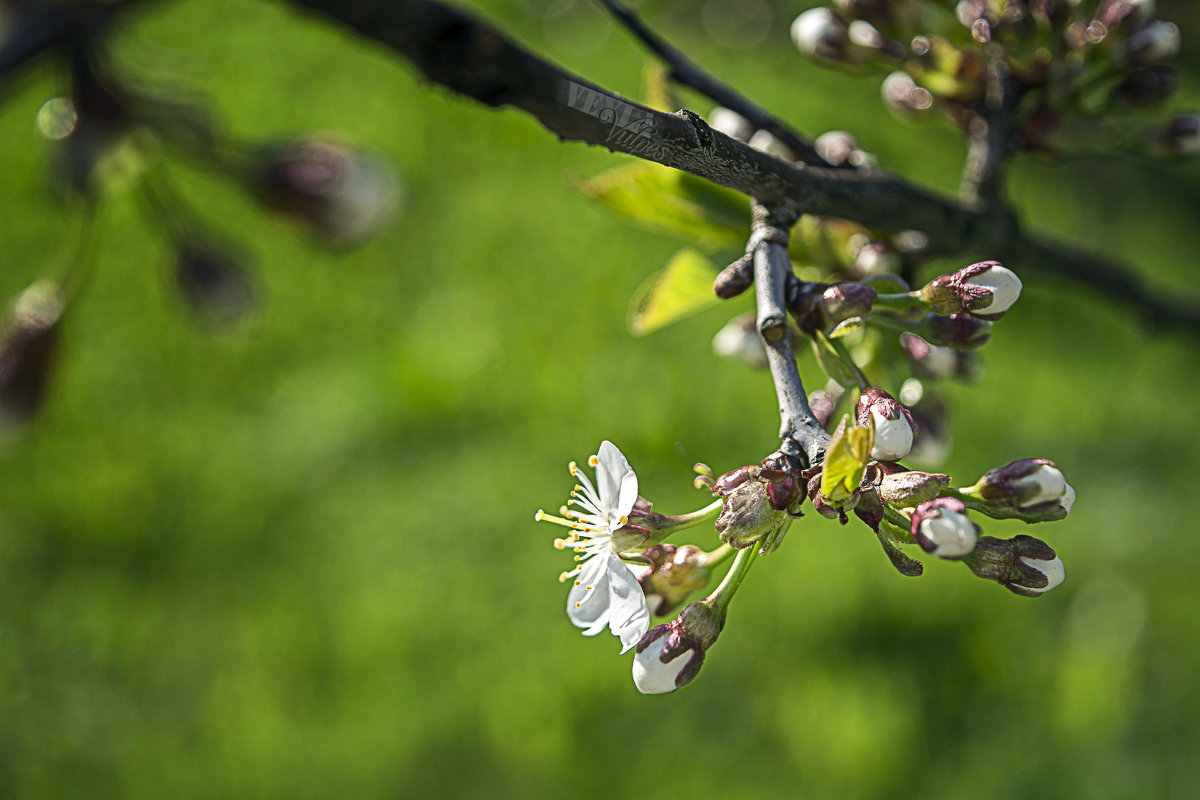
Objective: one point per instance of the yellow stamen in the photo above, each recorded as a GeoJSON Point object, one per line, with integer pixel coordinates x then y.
{"type": "Point", "coordinates": [542, 516]}
{"type": "Point", "coordinates": [624, 520]}
{"type": "Point", "coordinates": [573, 467]}
{"type": "Point", "coordinates": [594, 461]}
{"type": "Point", "coordinates": [578, 604]}
{"type": "Point", "coordinates": [576, 582]}
{"type": "Point", "coordinates": [563, 578]}
{"type": "Point", "coordinates": [589, 586]}
{"type": "Point", "coordinates": [539, 516]}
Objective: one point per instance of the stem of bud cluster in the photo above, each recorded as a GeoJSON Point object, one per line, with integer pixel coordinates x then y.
{"type": "Point", "coordinates": [733, 579]}
{"type": "Point", "coordinates": [694, 518]}
{"type": "Point", "coordinates": [844, 355]}
{"type": "Point", "coordinates": [898, 524]}
{"type": "Point", "coordinates": [901, 301]}
{"type": "Point", "coordinates": [719, 556]}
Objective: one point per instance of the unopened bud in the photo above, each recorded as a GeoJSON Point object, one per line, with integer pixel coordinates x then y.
{"type": "Point", "coordinates": [1023, 565]}
{"type": "Point", "coordinates": [942, 528]}
{"type": "Point", "coordinates": [767, 142]}
{"type": "Point", "coordinates": [842, 301]}
{"type": "Point", "coordinates": [1181, 136]}
{"type": "Point", "coordinates": [758, 506]}
{"type": "Point", "coordinates": [959, 331]}
{"type": "Point", "coordinates": [215, 285]}
{"type": "Point", "coordinates": [985, 290]}
{"type": "Point", "coordinates": [894, 426]}
{"type": "Point", "coordinates": [1031, 487]}
{"type": "Point", "coordinates": [336, 191]}
{"type": "Point", "coordinates": [28, 341]}
{"type": "Point", "coordinates": [877, 258]}
{"type": "Point", "coordinates": [1153, 44]}
{"type": "Point", "coordinates": [730, 123]}
{"type": "Point", "coordinates": [932, 361]}
{"type": "Point", "coordinates": [911, 487]}
{"type": "Point", "coordinates": [821, 33]}
{"type": "Point", "coordinates": [734, 279]}
{"type": "Point", "coordinates": [675, 572]}
{"type": "Point", "coordinates": [841, 149]}
{"type": "Point", "coordinates": [901, 93]}
{"type": "Point", "coordinates": [670, 656]}
{"type": "Point", "coordinates": [740, 341]}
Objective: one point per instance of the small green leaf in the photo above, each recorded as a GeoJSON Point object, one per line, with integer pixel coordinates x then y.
{"type": "Point", "coordinates": [682, 288]}
{"type": "Point", "coordinates": [846, 460]}
{"type": "Point", "coordinates": [903, 564]}
{"type": "Point", "coordinates": [847, 326]}
{"type": "Point", "coordinates": [665, 199]}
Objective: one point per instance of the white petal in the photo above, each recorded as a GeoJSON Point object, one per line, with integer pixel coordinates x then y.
{"type": "Point", "coordinates": [1049, 483]}
{"type": "Point", "coordinates": [952, 534]}
{"type": "Point", "coordinates": [612, 472]}
{"type": "Point", "coordinates": [1068, 499]}
{"type": "Point", "coordinates": [1004, 285]}
{"type": "Point", "coordinates": [652, 676]}
{"type": "Point", "coordinates": [588, 608]}
{"type": "Point", "coordinates": [628, 615]}
{"type": "Point", "coordinates": [1053, 570]}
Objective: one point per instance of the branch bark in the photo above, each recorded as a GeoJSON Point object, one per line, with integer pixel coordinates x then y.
{"type": "Point", "coordinates": [472, 58]}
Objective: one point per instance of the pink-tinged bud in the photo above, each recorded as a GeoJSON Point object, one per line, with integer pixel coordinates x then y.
{"type": "Point", "coordinates": [1131, 13]}
{"type": "Point", "coordinates": [959, 331]}
{"type": "Point", "coordinates": [215, 285]}
{"type": "Point", "coordinates": [1023, 565]}
{"type": "Point", "coordinates": [902, 94]}
{"type": "Point", "coordinates": [943, 529]}
{"type": "Point", "coordinates": [670, 656]}
{"type": "Point", "coordinates": [730, 123]}
{"type": "Point", "coordinates": [28, 342]}
{"type": "Point", "coordinates": [842, 301]}
{"type": "Point", "coordinates": [894, 426]}
{"type": "Point", "coordinates": [931, 360]}
{"type": "Point", "coordinates": [675, 573]}
{"type": "Point", "coordinates": [336, 191]}
{"type": "Point", "coordinates": [841, 149]}
{"type": "Point", "coordinates": [984, 290]}
{"type": "Point", "coordinates": [820, 33]}
{"type": "Point", "coordinates": [1153, 44]}
{"type": "Point", "coordinates": [1032, 488]}
{"type": "Point", "coordinates": [911, 487]}
{"type": "Point", "coordinates": [1180, 137]}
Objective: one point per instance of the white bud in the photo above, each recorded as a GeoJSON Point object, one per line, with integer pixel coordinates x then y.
{"type": "Point", "coordinates": [949, 534]}
{"type": "Point", "coordinates": [766, 142]}
{"type": "Point", "coordinates": [652, 676]}
{"type": "Point", "coordinates": [730, 123]}
{"type": "Point", "coordinates": [1153, 44]}
{"type": "Point", "coordinates": [893, 437]}
{"type": "Point", "coordinates": [820, 33]}
{"type": "Point", "coordinates": [1047, 481]}
{"type": "Point", "coordinates": [1002, 283]}
{"type": "Point", "coordinates": [1067, 501]}
{"type": "Point", "coordinates": [1053, 570]}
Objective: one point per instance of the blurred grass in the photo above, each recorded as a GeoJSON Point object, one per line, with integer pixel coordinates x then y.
{"type": "Point", "coordinates": [300, 561]}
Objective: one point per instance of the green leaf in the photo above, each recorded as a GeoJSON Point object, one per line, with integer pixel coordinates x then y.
{"type": "Point", "coordinates": [681, 289]}
{"type": "Point", "coordinates": [847, 326]}
{"type": "Point", "coordinates": [846, 460]}
{"type": "Point", "coordinates": [664, 199]}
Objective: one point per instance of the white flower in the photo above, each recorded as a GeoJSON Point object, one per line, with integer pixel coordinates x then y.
{"type": "Point", "coordinates": [1053, 570]}
{"type": "Point", "coordinates": [820, 33]}
{"type": "Point", "coordinates": [893, 424]}
{"type": "Point", "coordinates": [604, 592]}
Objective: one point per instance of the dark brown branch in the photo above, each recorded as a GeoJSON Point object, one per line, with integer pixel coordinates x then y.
{"type": "Point", "coordinates": [473, 59]}
{"type": "Point", "coordinates": [686, 72]}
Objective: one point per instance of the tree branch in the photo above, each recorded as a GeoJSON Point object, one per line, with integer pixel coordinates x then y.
{"type": "Point", "coordinates": [686, 72]}
{"type": "Point", "coordinates": [473, 59]}
{"type": "Point", "coordinates": [799, 429]}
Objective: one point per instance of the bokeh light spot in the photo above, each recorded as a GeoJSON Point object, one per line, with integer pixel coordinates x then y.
{"type": "Point", "coordinates": [57, 118]}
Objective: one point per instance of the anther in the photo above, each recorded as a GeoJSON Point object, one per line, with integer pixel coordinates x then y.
{"type": "Point", "coordinates": [594, 461]}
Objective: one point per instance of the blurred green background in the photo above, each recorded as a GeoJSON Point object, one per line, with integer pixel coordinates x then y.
{"type": "Point", "coordinates": [300, 560]}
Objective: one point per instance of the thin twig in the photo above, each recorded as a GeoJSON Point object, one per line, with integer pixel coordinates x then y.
{"type": "Point", "coordinates": [686, 72]}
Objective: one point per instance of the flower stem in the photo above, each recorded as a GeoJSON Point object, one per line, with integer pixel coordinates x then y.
{"type": "Point", "coordinates": [844, 355]}
{"type": "Point", "coordinates": [719, 556]}
{"type": "Point", "coordinates": [721, 596]}
{"type": "Point", "coordinates": [689, 520]}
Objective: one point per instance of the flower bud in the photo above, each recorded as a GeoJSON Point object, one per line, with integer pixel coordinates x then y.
{"type": "Point", "coordinates": [841, 301]}
{"type": "Point", "coordinates": [959, 331]}
{"type": "Point", "coordinates": [28, 341]}
{"type": "Point", "coordinates": [943, 529]}
{"type": "Point", "coordinates": [1033, 488]}
{"type": "Point", "coordinates": [931, 360]}
{"type": "Point", "coordinates": [1180, 137]}
{"type": "Point", "coordinates": [734, 279]}
{"type": "Point", "coordinates": [840, 149]}
{"type": "Point", "coordinates": [902, 94]}
{"type": "Point", "coordinates": [1023, 565]}
{"type": "Point", "coordinates": [739, 340]}
{"type": "Point", "coordinates": [215, 285]}
{"type": "Point", "coordinates": [675, 572]}
{"type": "Point", "coordinates": [730, 123]}
{"type": "Point", "coordinates": [911, 487]}
{"type": "Point", "coordinates": [820, 33]}
{"type": "Point", "coordinates": [1153, 44]}
{"type": "Point", "coordinates": [669, 656]}
{"type": "Point", "coordinates": [1117, 12]}
{"type": "Point", "coordinates": [767, 142]}
{"type": "Point", "coordinates": [758, 506]}
{"type": "Point", "coordinates": [877, 258]}
{"type": "Point", "coordinates": [336, 191]}
{"type": "Point", "coordinates": [894, 427]}
{"type": "Point", "coordinates": [984, 290]}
